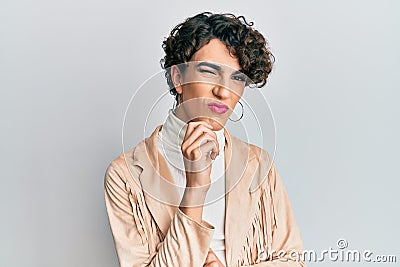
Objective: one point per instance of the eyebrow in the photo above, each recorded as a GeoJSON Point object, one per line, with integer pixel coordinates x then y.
{"type": "Point", "coordinates": [216, 67]}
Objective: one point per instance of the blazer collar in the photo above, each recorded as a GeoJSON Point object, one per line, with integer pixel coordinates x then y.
{"type": "Point", "coordinates": [243, 173]}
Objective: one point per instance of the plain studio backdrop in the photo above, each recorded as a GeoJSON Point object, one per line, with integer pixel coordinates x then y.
{"type": "Point", "coordinates": [69, 68]}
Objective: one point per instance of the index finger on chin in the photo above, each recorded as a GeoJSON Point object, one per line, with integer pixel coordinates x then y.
{"type": "Point", "coordinates": [193, 124]}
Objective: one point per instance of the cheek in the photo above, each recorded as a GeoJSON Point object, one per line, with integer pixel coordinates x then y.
{"type": "Point", "coordinates": [238, 94]}
{"type": "Point", "coordinates": [235, 99]}
{"type": "Point", "coordinates": [196, 90]}
{"type": "Point", "coordinates": [234, 103]}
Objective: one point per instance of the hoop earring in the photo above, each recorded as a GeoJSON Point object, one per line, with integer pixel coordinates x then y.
{"type": "Point", "coordinates": [241, 115]}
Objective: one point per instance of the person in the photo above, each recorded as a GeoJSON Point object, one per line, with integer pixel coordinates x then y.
{"type": "Point", "coordinates": [192, 194]}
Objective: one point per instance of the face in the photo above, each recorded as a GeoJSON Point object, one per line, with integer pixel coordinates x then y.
{"type": "Point", "coordinates": [211, 85]}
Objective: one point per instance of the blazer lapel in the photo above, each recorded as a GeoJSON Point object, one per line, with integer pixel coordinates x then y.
{"type": "Point", "coordinates": [240, 202]}
{"type": "Point", "coordinates": [160, 192]}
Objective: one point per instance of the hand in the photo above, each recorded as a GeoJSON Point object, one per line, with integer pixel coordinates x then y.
{"type": "Point", "coordinates": [199, 148]}
{"type": "Point", "coordinates": [212, 260]}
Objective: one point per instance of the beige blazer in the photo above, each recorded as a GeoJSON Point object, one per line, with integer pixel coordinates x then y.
{"type": "Point", "coordinates": [150, 230]}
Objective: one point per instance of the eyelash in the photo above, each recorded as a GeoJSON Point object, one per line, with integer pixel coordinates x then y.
{"type": "Point", "coordinates": [207, 71]}
{"type": "Point", "coordinates": [236, 78]}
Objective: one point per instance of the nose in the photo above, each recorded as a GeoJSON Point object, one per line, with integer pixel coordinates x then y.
{"type": "Point", "coordinates": [221, 90]}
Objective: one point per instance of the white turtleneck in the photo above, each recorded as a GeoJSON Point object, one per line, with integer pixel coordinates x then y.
{"type": "Point", "coordinates": [169, 144]}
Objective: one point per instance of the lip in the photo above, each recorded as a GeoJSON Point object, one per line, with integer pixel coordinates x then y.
{"type": "Point", "coordinates": [218, 107]}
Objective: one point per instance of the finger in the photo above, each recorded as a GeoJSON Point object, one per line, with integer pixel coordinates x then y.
{"type": "Point", "coordinates": [203, 144]}
{"type": "Point", "coordinates": [210, 148]}
{"type": "Point", "coordinates": [198, 131]}
{"type": "Point", "coordinates": [193, 124]}
{"type": "Point", "coordinates": [197, 138]}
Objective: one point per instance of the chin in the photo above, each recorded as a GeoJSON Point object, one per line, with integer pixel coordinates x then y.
{"type": "Point", "coordinates": [217, 126]}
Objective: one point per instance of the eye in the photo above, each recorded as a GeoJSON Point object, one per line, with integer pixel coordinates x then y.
{"type": "Point", "coordinates": [208, 71]}
{"type": "Point", "coordinates": [238, 78]}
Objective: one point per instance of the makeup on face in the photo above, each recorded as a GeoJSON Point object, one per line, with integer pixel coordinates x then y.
{"type": "Point", "coordinates": [218, 107]}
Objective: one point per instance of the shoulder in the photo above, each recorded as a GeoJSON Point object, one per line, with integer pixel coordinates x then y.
{"type": "Point", "coordinates": [123, 169]}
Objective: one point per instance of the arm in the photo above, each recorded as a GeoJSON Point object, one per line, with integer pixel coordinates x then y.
{"type": "Point", "coordinates": [285, 233]}
{"type": "Point", "coordinates": [185, 244]}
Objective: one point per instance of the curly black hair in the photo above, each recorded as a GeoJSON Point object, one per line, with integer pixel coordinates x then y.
{"type": "Point", "coordinates": [244, 42]}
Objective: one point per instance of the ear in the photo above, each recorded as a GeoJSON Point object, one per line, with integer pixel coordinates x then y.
{"type": "Point", "coordinates": [176, 78]}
